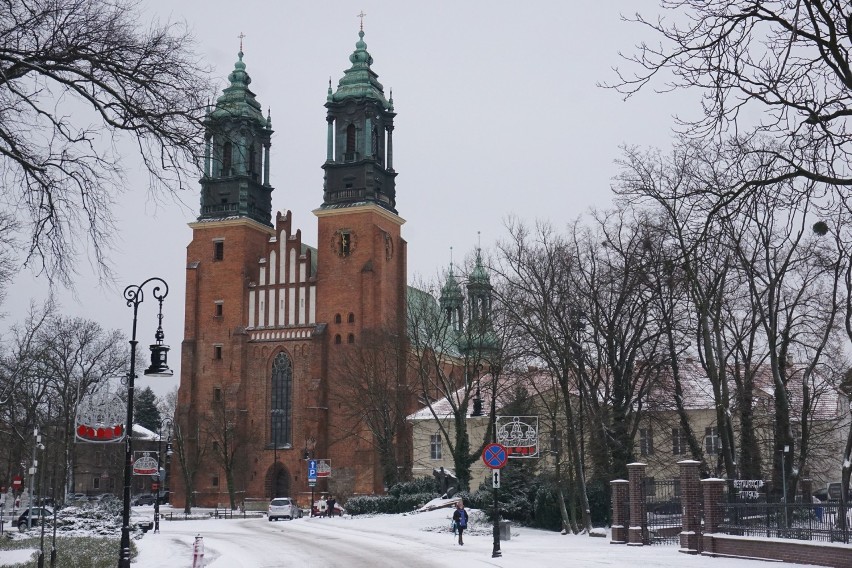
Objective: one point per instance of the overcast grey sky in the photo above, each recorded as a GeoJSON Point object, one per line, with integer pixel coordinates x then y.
{"type": "Point", "coordinates": [498, 114]}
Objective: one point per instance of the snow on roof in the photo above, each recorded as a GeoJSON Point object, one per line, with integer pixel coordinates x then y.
{"type": "Point", "coordinates": [142, 433]}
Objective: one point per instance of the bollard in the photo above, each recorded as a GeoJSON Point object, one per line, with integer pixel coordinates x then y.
{"type": "Point", "coordinates": [198, 552]}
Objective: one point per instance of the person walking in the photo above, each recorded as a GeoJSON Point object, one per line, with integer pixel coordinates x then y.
{"type": "Point", "coordinates": [322, 506]}
{"type": "Point", "coordinates": [331, 503]}
{"type": "Point", "coordinates": [460, 520]}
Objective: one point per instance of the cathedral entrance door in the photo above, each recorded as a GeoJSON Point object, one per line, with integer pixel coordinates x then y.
{"type": "Point", "coordinates": [278, 481]}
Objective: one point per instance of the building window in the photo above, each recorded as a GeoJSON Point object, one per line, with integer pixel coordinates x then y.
{"type": "Point", "coordinates": [227, 151]}
{"type": "Point", "coordinates": [555, 442]}
{"type": "Point", "coordinates": [678, 441]}
{"type": "Point", "coordinates": [646, 442]}
{"type": "Point", "coordinates": [350, 142]}
{"type": "Point", "coordinates": [214, 481]}
{"type": "Point", "coordinates": [219, 309]}
{"type": "Point", "coordinates": [344, 244]}
{"type": "Point", "coordinates": [650, 487]}
{"type": "Point", "coordinates": [337, 340]}
{"type": "Point", "coordinates": [435, 447]}
{"type": "Point", "coordinates": [217, 394]}
{"type": "Point", "coordinates": [712, 442]}
{"type": "Point", "coordinates": [281, 406]}
{"type": "Point", "coordinates": [351, 338]}
{"type": "Point", "coordinates": [215, 446]}
{"type": "Point", "coordinates": [351, 318]}
{"type": "Point", "coordinates": [96, 482]}
{"type": "Point", "coordinates": [217, 352]}
{"type": "Point", "coordinates": [337, 318]}
{"type": "Point", "coordinates": [218, 250]}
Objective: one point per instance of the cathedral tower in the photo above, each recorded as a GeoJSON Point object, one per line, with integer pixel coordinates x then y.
{"type": "Point", "coordinates": [361, 269]}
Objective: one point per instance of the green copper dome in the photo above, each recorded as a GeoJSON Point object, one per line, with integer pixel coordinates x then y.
{"type": "Point", "coordinates": [479, 276]}
{"type": "Point", "coordinates": [359, 81]}
{"type": "Point", "coordinates": [237, 100]}
{"type": "Point", "coordinates": [451, 292]}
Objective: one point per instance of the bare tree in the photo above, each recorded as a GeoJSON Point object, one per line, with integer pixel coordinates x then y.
{"type": "Point", "coordinates": [448, 362]}
{"type": "Point", "coordinates": [190, 445]}
{"type": "Point", "coordinates": [77, 356]}
{"type": "Point", "coordinates": [376, 396]}
{"type": "Point", "coordinates": [536, 293]}
{"type": "Point", "coordinates": [786, 61]}
{"type": "Point", "coordinates": [80, 79]}
{"type": "Point", "coordinates": [226, 445]}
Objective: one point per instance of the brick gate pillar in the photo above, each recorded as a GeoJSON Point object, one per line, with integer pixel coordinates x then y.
{"type": "Point", "coordinates": [690, 504]}
{"type": "Point", "coordinates": [620, 492]}
{"type": "Point", "coordinates": [713, 491]}
{"type": "Point", "coordinates": [638, 519]}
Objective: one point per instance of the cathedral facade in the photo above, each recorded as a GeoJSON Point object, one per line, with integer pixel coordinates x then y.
{"type": "Point", "coordinates": [271, 323]}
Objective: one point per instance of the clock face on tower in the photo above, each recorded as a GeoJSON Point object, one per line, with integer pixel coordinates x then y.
{"type": "Point", "coordinates": [343, 242]}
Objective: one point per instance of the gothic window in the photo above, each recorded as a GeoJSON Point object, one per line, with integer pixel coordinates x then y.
{"type": "Point", "coordinates": [350, 142]}
{"type": "Point", "coordinates": [351, 318]}
{"type": "Point", "coordinates": [218, 250]}
{"type": "Point", "coordinates": [337, 318]}
{"type": "Point", "coordinates": [219, 309]}
{"type": "Point", "coordinates": [227, 151]}
{"type": "Point", "coordinates": [281, 406]}
{"type": "Point", "coordinates": [217, 394]}
{"type": "Point", "coordinates": [351, 338]}
{"type": "Point", "coordinates": [435, 447]}
{"type": "Point", "coordinates": [217, 352]}
{"type": "Point", "coordinates": [337, 340]}
{"type": "Point", "coordinates": [214, 481]}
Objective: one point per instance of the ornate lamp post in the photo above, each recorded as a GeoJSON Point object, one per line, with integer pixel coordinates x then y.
{"type": "Point", "coordinates": [164, 478]}
{"type": "Point", "coordinates": [159, 368]}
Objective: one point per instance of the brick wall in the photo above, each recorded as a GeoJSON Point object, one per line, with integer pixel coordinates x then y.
{"type": "Point", "coordinates": [819, 554]}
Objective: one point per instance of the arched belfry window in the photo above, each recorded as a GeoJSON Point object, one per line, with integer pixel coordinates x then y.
{"type": "Point", "coordinates": [227, 152]}
{"type": "Point", "coordinates": [281, 406]}
{"type": "Point", "coordinates": [350, 142]}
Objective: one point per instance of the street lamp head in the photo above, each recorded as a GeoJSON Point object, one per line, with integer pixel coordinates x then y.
{"type": "Point", "coordinates": [159, 361]}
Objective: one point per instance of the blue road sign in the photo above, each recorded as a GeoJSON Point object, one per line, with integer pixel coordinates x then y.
{"type": "Point", "coordinates": [494, 456]}
{"type": "Point", "coordinates": [312, 470]}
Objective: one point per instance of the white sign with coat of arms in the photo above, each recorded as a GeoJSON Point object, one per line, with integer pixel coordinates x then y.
{"type": "Point", "coordinates": [519, 435]}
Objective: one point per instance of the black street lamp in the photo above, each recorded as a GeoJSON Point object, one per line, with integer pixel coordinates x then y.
{"type": "Point", "coordinates": [159, 368]}
{"type": "Point", "coordinates": [164, 478]}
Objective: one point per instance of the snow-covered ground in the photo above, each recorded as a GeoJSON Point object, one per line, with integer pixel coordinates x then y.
{"type": "Point", "coordinates": [416, 540]}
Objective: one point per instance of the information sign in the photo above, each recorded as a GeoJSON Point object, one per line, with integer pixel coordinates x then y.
{"type": "Point", "coordinates": [519, 435]}
{"type": "Point", "coordinates": [312, 470]}
{"type": "Point", "coordinates": [495, 478]}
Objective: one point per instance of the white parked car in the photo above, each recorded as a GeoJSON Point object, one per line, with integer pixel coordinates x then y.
{"type": "Point", "coordinates": [283, 508]}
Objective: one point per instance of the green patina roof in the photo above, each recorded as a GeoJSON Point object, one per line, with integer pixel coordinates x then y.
{"type": "Point", "coordinates": [451, 292]}
{"type": "Point", "coordinates": [479, 276]}
{"type": "Point", "coordinates": [359, 81]}
{"type": "Point", "coordinates": [237, 100]}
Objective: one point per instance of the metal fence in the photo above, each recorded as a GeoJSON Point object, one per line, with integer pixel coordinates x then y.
{"type": "Point", "coordinates": [802, 521]}
{"type": "Point", "coordinates": [663, 511]}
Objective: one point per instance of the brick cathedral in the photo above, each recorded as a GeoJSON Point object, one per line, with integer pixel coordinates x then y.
{"type": "Point", "coordinates": [270, 320]}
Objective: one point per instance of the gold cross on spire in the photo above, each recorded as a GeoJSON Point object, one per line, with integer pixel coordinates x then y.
{"type": "Point", "coordinates": [241, 36]}
{"type": "Point", "coordinates": [361, 15]}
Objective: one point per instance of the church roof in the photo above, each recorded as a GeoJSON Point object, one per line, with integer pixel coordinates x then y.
{"type": "Point", "coordinates": [237, 100]}
{"type": "Point", "coordinates": [360, 81]}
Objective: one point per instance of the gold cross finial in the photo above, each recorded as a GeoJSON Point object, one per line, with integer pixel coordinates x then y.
{"type": "Point", "coordinates": [241, 36]}
{"type": "Point", "coordinates": [361, 15]}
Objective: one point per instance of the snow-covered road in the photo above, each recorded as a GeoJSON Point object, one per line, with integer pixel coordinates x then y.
{"type": "Point", "coordinates": [402, 541]}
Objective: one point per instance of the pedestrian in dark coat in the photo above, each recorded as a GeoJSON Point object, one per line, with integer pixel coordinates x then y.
{"type": "Point", "coordinates": [331, 503]}
{"type": "Point", "coordinates": [460, 519]}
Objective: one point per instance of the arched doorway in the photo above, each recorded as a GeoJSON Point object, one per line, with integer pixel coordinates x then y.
{"type": "Point", "coordinates": [277, 481]}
